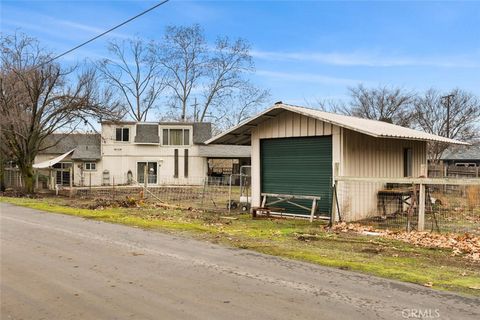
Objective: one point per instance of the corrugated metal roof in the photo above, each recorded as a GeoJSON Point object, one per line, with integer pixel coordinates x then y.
{"type": "Point", "coordinates": [241, 134]}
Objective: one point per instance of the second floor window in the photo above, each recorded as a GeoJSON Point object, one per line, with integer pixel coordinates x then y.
{"type": "Point", "coordinates": [176, 137]}
{"type": "Point", "coordinates": [122, 134]}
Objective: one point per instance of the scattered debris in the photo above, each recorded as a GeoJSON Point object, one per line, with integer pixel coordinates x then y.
{"type": "Point", "coordinates": [307, 237]}
{"type": "Point", "coordinates": [461, 244]}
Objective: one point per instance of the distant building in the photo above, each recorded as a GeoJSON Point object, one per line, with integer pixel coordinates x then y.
{"type": "Point", "coordinates": [464, 156]}
{"type": "Point", "coordinates": [168, 152]}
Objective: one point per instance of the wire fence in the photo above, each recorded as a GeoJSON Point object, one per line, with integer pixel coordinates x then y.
{"type": "Point", "coordinates": [12, 178]}
{"type": "Point", "coordinates": [216, 194]}
{"type": "Point", "coordinates": [397, 205]}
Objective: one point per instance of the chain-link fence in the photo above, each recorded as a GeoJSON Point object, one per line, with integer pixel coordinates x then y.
{"type": "Point", "coordinates": [448, 205]}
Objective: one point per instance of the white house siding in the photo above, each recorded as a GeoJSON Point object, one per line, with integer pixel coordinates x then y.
{"type": "Point", "coordinates": [120, 157]}
{"type": "Point", "coordinates": [366, 156]}
{"type": "Point", "coordinates": [285, 125]}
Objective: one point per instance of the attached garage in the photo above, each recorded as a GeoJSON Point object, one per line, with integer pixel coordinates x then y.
{"type": "Point", "coordinates": [299, 152]}
{"type": "Point", "coordinates": [298, 166]}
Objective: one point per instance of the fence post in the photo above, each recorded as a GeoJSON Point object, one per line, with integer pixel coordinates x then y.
{"type": "Point", "coordinates": [113, 188]}
{"type": "Point", "coordinates": [205, 181]}
{"type": "Point", "coordinates": [145, 176]}
{"type": "Point", "coordinates": [333, 213]}
{"type": "Point", "coordinates": [71, 180]}
{"type": "Point", "coordinates": [421, 209]}
{"type": "Point", "coordinates": [230, 194]}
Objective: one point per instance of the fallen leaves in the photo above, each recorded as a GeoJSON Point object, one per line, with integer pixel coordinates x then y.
{"type": "Point", "coordinates": [461, 244]}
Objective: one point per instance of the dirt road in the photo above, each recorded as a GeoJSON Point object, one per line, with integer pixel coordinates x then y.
{"type": "Point", "coordinates": [62, 267]}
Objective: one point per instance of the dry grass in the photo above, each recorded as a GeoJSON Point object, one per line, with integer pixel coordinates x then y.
{"type": "Point", "coordinates": [473, 197]}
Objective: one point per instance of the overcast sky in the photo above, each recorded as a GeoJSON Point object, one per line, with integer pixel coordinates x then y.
{"type": "Point", "coordinates": [303, 51]}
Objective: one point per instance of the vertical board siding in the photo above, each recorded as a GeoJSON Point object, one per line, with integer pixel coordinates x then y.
{"type": "Point", "coordinates": [366, 156]}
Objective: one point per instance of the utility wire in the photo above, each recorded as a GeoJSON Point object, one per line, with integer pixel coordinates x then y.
{"type": "Point", "coordinates": [104, 33]}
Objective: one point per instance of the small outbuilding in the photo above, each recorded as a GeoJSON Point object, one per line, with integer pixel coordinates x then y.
{"type": "Point", "coordinates": [298, 151]}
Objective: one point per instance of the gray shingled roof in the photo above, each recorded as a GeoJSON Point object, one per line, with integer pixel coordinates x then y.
{"type": "Point", "coordinates": [86, 145]}
{"type": "Point", "coordinates": [224, 151]}
{"type": "Point", "coordinates": [147, 133]}
{"type": "Point", "coordinates": [202, 131]}
{"type": "Point", "coordinates": [463, 153]}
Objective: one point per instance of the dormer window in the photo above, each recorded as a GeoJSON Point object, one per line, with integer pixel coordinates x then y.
{"type": "Point", "coordinates": [176, 137]}
{"type": "Point", "coordinates": [122, 134]}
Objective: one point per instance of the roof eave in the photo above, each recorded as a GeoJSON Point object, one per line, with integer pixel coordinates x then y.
{"type": "Point", "coordinates": [225, 134]}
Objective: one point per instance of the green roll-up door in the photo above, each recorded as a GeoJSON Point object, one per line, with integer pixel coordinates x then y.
{"type": "Point", "coordinates": [298, 166]}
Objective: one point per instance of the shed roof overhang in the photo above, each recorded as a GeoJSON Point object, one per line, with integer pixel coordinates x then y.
{"type": "Point", "coordinates": [241, 134]}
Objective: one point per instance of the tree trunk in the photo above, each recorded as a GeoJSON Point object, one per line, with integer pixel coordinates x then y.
{"type": "Point", "coordinates": [2, 172]}
{"type": "Point", "coordinates": [28, 178]}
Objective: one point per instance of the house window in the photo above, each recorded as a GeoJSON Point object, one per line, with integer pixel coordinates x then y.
{"type": "Point", "coordinates": [122, 134]}
{"type": "Point", "coordinates": [407, 162]}
{"type": "Point", "coordinates": [62, 173]}
{"type": "Point", "coordinates": [176, 137]}
{"type": "Point", "coordinates": [90, 166]}
{"type": "Point", "coordinates": [150, 168]}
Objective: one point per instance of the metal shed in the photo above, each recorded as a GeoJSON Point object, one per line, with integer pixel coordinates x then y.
{"type": "Point", "coordinates": [298, 151]}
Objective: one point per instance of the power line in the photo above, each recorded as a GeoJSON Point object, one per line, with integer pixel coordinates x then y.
{"type": "Point", "coordinates": [104, 33]}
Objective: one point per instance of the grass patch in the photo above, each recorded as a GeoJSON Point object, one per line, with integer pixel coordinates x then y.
{"type": "Point", "coordinates": [290, 238]}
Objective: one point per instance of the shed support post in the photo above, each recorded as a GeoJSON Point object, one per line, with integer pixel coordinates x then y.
{"type": "Point", "coordinates": [421, 208]}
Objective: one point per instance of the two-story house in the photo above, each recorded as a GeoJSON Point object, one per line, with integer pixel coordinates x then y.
{"type": "Point", "coordinates": [129, 152]}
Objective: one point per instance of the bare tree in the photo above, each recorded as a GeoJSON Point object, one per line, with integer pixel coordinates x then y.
{"type": "Point", "coordinates": [332, 105]}
{"type": "Point", "coordinates": [392, 105]}
{"type": "Point", "coordinates": [246, 102]}
{"type": "Point", "coordinates": [460, 121]}
{"type": "Point", "coordinates": [219, 75]}
{"type": "Point", "coordinates": [226, 66]}
{"type": "Point", "coordinates": [135, 71]}
{"type": "Point", "coordinates": [183, 55]}
{"type": "Point", "coordinates": [37, 97]}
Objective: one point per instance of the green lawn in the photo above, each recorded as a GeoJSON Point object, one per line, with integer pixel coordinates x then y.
{"type": "Point", "coordinates": [291, 238]}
